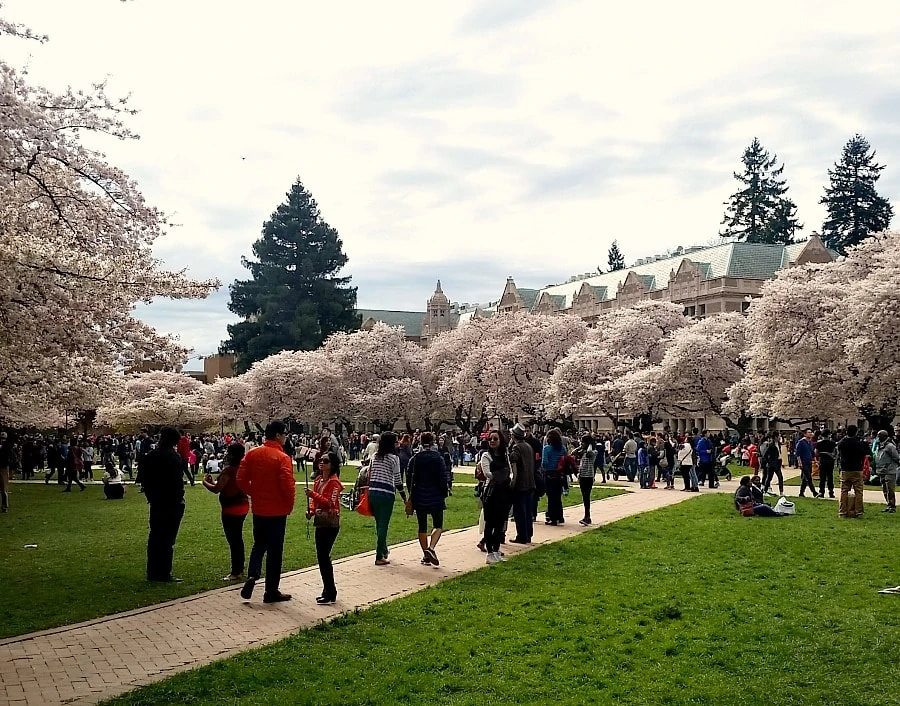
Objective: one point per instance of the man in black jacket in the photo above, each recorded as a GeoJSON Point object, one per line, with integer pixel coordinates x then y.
{"type": "Point", "coordinates": [853, 452]}
{"type": "Point", "coordinates": [161, 474]}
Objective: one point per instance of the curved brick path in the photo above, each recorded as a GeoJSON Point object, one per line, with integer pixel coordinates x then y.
{"type": "Point", "coordinates": [91, 661]}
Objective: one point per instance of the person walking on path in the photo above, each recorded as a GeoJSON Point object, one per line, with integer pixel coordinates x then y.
{"type": "Point", "coordinates": [428, 488]}
{"type": "Point", "coordinates": [887, 464]}
{"type": "Point", "coordinates": [385, 481]}
{"type": "Point", "coordinates": [852, 452]}
{"type": "Point", "coordinates": [266, 474]}
{"type": "Point", "coordinates": [825, 453]}
{"type": "Point", "coordinates": [162, 473]}
{"type": "Point", "coordinates": [554, 450]}
{"type": "Point", "coordinates": [586, 455]}
{"type": "Point", "coordinates": [497, 495]}
{"type": "Point", "coordinates": [521, 455]}
{"type": "Point", "coordinates": [325, 509]}
{"type": "Point", "coordinates": [235, 506]}
{"type": "Point", "coordinates": [806, 452]}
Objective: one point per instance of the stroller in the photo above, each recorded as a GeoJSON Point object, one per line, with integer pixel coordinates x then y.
{"type": "Point", "coordinates": [351, 498]}
{"type": "Point", "coordinates": [722, 465]}
{"type": "Point", "coordinates": [617, 467]}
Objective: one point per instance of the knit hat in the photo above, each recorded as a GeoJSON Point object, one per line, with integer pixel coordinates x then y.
{"type": "Point", "coordinates": [518, 431]}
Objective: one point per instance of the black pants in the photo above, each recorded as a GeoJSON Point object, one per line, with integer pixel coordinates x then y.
{"type": "Point", "coordinates": [686, 476]}
{"type": "Point", "coordinates": [826, 476]}
{"type": "Point", "coordinates": [496, 514]}
{"type": "Point", "coordinates": [806, 478]}
{"type": "Point", "coordinates": [114, 491]}
{"type": "Point", "coordinates": [268, 540]}
{"type": "Point", "coordinates": [707, 470]}
{"type": "Point", "coordinates": [325, 538]}
{"type": "Point", "coordinates": [234, 534]}
{"type": "Point", "coordinates": [72, 477]}
{"type": "Point", "coordinates": [587, 485]}
{"type": "Point", "coordinates": [523, 509]}
{"type": "Point", "coordinates": [771, 471]}
{"type": "Point", "coordinates": [554, 500]}
{"type": "Point", "coordinates": [164, 523]}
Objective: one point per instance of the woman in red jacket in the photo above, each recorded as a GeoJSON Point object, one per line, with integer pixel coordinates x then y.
{"type": "Point", "coordinates": [325, 507]}
{"type": "Point", "coordinates": [235, 506]}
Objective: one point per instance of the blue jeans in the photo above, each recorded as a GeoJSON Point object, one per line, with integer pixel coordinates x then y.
{"type": "Point", "coordinates": [523, 506]}
{"type": "Point", "coordinates": [630, 468]}
{"type": "Point", "coordinates": [268, 539]}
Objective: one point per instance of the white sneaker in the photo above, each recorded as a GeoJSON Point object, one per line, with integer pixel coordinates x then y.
{"type": "Point", "coordinates": [493, 558]}
{"type": "Point", "coordinates": [502, 556]}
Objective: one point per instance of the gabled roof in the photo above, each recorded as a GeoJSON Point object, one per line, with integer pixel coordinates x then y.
{"type": "Point", "coordinates": [411, 321]}
{"type": "Point", "coordinates": [529, 296]}
{"type": "Point", "coordinates": [733, 259]}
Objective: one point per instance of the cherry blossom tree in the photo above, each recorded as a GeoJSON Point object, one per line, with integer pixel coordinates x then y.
{"type": "Point", "coordinates": [157, 399]}
{"type": "Point", "coordinates": [702, 362]}
{"type": "Point", "coordinates": [594, 376]}
{"type": "Point", "coordinates": [820, 341]}
{"type": "Point", "coordinates": [500, 365]}
{"type": "Point", "coordinates": [75, 243]}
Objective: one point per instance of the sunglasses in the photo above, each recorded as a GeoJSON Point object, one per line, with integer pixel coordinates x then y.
{"type": "Point", "coordinates": [324, 462]}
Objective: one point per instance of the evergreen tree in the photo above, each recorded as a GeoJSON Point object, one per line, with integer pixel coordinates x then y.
{"type": "Point", "coordinates": [294, 299]}
{"type": "Point", "coordinates": [760, 212]}
{"type": "Point", "coordinates": [855, 210]}
{"type": "Point", "coordinates": [783, 223]}
{"type": "Point", "coordinates": [615, 259]}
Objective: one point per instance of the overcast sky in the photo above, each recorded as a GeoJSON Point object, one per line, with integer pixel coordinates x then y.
{"type": "Point", "coordinates": [468, 141]}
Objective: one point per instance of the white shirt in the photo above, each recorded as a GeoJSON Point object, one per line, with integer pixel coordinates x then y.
{"type": "Point", "coordinates": [685, 455]}
{"type": "Point", "coordinates": [212, 466]}
{"type": "Point", "coordinates": [114, 478]}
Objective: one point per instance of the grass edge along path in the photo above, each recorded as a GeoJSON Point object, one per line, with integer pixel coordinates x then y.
{"type": "Point", "coordinates": [648, 610]}
{"type": "Point", "coordinates": [73, 663]}
{"type": "Point", "coordinates": [91, 553]}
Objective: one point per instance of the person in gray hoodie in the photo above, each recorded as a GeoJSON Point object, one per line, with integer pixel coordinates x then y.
{"type": "Point", "coordinates": [887, 465]}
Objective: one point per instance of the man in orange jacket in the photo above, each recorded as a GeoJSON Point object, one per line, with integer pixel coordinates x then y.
{"type": "Point", "coordinates": [266, 474]}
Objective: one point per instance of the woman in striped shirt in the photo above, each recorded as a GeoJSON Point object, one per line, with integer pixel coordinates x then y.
{"type": "Point", "coordinates": [384, 482]}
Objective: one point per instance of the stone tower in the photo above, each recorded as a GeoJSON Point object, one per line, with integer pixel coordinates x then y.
{"type": "Point", "coordinates": [437, 315]}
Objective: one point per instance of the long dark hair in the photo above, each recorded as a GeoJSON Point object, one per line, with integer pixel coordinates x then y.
{"type": "Point", "coordinates": [387, 444]}
{"type": "Point", "coordinates": [235, 453]}
{"type": "Point", "coordinates": [335, 464]}
{"type": "Point", "coordinates": [501, 447]}
{"type": "Point", "coordinates": [554, 439]}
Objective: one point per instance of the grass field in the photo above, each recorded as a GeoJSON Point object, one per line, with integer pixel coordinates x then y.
{"type": "Point", "coordinates": [691, 604]}
{"type": "Point", "coordinates": [91, 555]}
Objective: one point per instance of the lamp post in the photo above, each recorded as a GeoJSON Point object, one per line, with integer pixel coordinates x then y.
{"type": "Point", "coordinates": [616, 403]}
{"type": "Point", "coordinates": [540, 418]}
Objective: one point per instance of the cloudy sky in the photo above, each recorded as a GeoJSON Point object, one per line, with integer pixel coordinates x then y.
{"type": "Point", "coordinates": [468, 141]}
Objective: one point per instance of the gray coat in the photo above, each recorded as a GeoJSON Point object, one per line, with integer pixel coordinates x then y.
{"type": "Point", "coordinates": [521, 455]}
{"type": "Point", "coordinates": [887, 459]}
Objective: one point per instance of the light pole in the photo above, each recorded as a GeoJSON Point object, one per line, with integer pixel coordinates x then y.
{"type": "Point", "coordinates": [616, 403]}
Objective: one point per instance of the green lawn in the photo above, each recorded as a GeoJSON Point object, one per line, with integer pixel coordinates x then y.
{"type": "Point", "coordinates": [691, 604]}
{"type": "Point", "coordinates": [91, 554]}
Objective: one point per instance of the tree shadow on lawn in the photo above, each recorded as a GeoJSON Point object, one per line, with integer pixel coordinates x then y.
{"type": "Point", "coordinates": [688, 604]}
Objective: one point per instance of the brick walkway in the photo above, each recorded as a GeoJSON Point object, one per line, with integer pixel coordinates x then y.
{"type": "Point", "coordinates": [102, 658]}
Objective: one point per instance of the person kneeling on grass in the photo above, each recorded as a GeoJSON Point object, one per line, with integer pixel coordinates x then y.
{"type": "Point", "coordinates": [113, 482]}
{"type": "Point", "coordinates": [749, 495]}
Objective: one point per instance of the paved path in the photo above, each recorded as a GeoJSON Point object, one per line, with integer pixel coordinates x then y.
{"type": "Point", "coordinates": [91, 661]}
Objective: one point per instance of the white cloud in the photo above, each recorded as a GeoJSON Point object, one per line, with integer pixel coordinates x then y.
{"type": "Point", "coordinates": [489, 138]}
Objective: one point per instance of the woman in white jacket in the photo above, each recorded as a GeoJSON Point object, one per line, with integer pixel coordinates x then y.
{"type": "Point", "coordinates": [686, 466]}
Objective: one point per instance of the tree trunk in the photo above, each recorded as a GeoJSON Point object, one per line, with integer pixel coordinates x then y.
{"type": "Point", "coordinates": [878, 419]}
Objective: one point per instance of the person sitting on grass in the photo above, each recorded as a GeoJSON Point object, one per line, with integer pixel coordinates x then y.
{"type": "Point", "coordinates": [113, 482]}
{"type": "Point", "coordinates": [751, 494]}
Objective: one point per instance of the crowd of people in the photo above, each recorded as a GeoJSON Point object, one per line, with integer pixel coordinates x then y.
{"type": "Point", "coordinates": [512, 470]}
